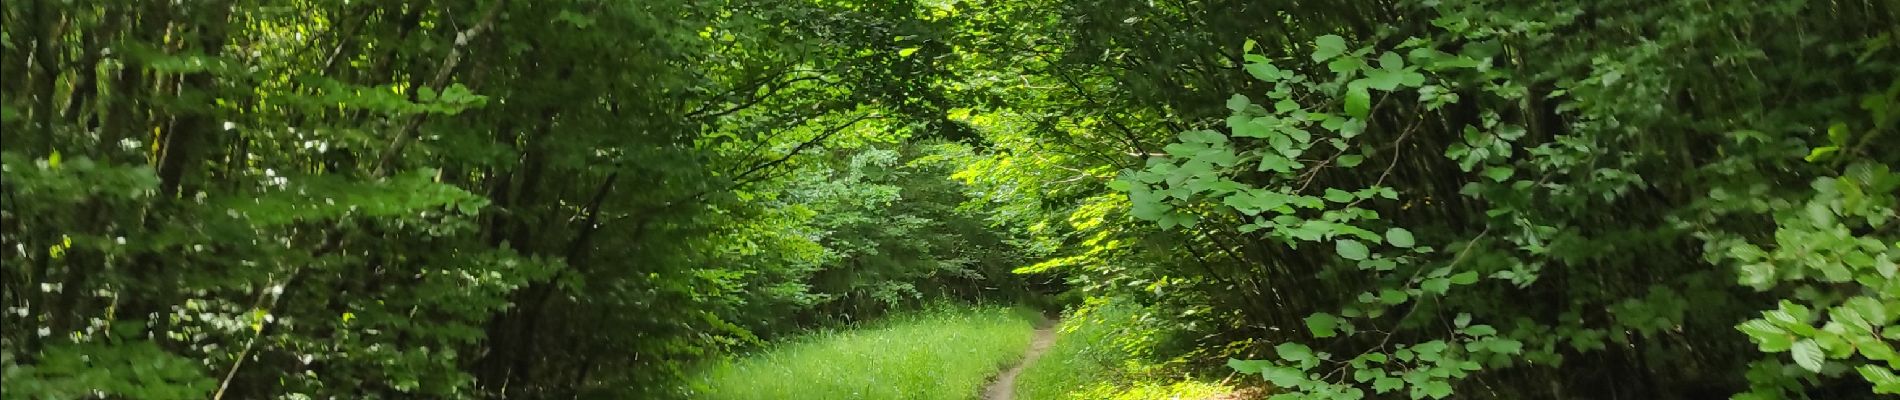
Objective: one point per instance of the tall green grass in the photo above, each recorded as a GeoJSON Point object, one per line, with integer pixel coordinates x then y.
{"type": "Point", "coordinates": [1103, 352]}
{"type": "Point", "coordinates": [943, 354]}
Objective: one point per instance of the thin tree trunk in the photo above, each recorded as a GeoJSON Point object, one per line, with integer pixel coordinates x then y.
{"type": "Point", "coordinates": [186, 144]}
{"type": "Point", "coordinates": [126, 87]}
{"type": "Point", "coordinates": [86, 78]}
{"type": "Point", "coordinates": [47, 61]}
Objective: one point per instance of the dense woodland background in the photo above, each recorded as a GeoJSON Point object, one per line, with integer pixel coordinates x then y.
{"type": "Point", "coordinates": [1506, 199]}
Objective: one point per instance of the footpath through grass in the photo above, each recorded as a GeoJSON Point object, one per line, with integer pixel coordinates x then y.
{"type": "Point", "coordinates": [945, 354]}
{"type": "Point", "coordinates": [1102, 354]}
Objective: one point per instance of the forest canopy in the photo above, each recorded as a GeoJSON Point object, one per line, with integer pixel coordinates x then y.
{"type": "Point", "coordinates": [1401, 199]}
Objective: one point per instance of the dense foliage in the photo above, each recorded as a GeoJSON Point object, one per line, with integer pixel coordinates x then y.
{"type": "Point", "coordinates": [445, 199]}
{"type": "Point", "coordinates": [1110, 349]}
{"type": "Point", "coordinates": [1492, 199]}
{"type": "Point", "coordinates": [579, 198]}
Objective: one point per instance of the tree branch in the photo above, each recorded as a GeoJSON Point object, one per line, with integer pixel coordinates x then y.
{"type": "Point", "coordinates": [771, 88]}
{"type": "Point", "coordinates": [740, 179]}
{"type": "Point", "coordinates": [441, 79]}
{"type": "Point", "coordinates": [746, 177]}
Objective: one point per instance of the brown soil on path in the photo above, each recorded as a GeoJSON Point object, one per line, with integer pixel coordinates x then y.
{"type": "Point", "coordinates": [1004, 387]}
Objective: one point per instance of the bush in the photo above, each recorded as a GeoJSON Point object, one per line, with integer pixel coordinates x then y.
{"type": "Point", "coordinates": [1112, 349]}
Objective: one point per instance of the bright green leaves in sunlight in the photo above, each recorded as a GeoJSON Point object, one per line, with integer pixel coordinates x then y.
{"type": "Point", "coordinates": [1837, 137]}
{"type": "Point", "coordinates": [1328, 46]}
{"type": "Point", "coordinates": [1807, 354]}
{"type": "Point", "coordinates": [1423, 370]}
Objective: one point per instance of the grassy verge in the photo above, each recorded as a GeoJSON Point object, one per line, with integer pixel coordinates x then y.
{"type": "Point", "coordinates": [1102, 353]}
{"type": "Point", "coordinates": [946, 354]}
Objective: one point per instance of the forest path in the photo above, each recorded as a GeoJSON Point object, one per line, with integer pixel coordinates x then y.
{"type": "Point", "coordinates": [1004, 387]}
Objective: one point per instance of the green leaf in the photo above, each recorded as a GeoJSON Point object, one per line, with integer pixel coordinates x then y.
{"type": "Point", "coordinates": [1238, 102]}
{"type": "Point", "coordinates": [1507, 346]}
{"type": "Point", "coordinates": [1283, 376]}
{"type": "Point", "coordinates": [1465, 278]}
{"type": "Point", "coordinates": [1285, 106]}
{"type": "Point", "coordinates": [1849, 318]}
{"type": "Point", "coordinates": [1391, 61]}
{"type": "Point", "coordinates": [1248, 366]}
{"type": "Point", "coordinates": [1264, 70]}
{"type": "Point", "coordinates": [1429, 351]}
{"type": "Point", "coordinates": [1294, 352]}
{"type": "Point", "coordinates": [1338, 196]}
{"type": "Point", "coordinates": [1363, 375]}
{"type": "Point", "coordinates": [1351, 249]}
{"type": "Point", "coordinates": [1374, 357]}
{"type": "Point", "coordinates": [1498, 174]}
{"type": "Point", "coordinates": [1790, 316]}
{"type": "Point", "coordinates": [1385, 80]}
{"type": "Point", "coordinates": [1437, 389]}
{"type": "Point", "coordinates": [1833, 343]}
{"type": "Point", "coordinates": [1329, 46]}
{"type": "Point", "coordinates": [1436, 285]}
{"type": "Point", "coordinates": [1358, 101]}
{"type": "Point", "coordinates": [1351, 128]}
{"type": "Point", "coordinates": [1399, 237]}
{"type": "Point", "coordinates": [1884, 380]}
{"type": "Point", "coordinates": [1837, 134]}
{"type": "Point", "coordinates": [1386, 384]}
{"type": "Point", "coordinates": [1807, 354]}
{"type": "Point", "coordinates": [1351, 160]}
{"type": "Point", "coordinates": [1757, 275]}
{"type": "Point", "coordinates": [1300, 136]}
{"type": "Point", "coordinates": [1249, 128]}
{"type": "Point", "coordinates": [1874, 348]}
{"type": "Point", "coordinates": [1347, 66]}
{"type": "Point", "coordinates": [1481, 330]}
{"type": "Point", "coordinates": [1412, 79]}
{"type": "Point", "coordinates": [1769, 338]}
{"type": "Point", "coordinates": [1203, 136]}
{"type": "Point", "coordinates": [1870, 309]}
{"type": "Point", "coordinates": [906, 52]}
{"type": "Point", "coordinates": [1392, 297]}
{"type": "Point", "coordinates": [1820, 153]}
{"type": "Point", "coordinates": [1322, 325]}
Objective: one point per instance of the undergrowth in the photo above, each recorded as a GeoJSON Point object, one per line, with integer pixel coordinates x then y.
{"type": "Point", "coordinates": [1106, 351]}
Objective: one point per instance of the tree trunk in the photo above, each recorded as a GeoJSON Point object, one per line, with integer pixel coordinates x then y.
{"type": "Point", "coordinates": [185, 145]}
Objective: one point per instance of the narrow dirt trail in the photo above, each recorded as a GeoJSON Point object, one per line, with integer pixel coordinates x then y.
{"type": "Point", "coordinates": [1004, 387]}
